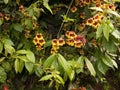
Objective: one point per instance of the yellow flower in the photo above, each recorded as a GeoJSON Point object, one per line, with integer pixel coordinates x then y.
{"type": "Point", "coordinates": [39, 36]}
{"type": "Point", "coordinates": [87, 2]}
{"type": "Point", "coordinates": [95, 24]}
{"type": "Point", "coordinates": [70, 34]}
{"type": "Point", "coordinates": [96, 1]}
{"type": "Point", "coordinates": [74, 9]}
{"type": "Point", "coordinates": [111, 6]}
{"type": "Point", "coordinates": [61, 42]}
{"type": "Point", "coordinates": [55, 42]}
{"type": "Point", "coordinates": [81, 26]}
{"type": "Point", "coordinates": [53, 50]}
{"type": "Point", "coordinates": [78, 44]}
{"type": "Point", "coordinates": [35, 41]}
{"type": "Point", "coordinates": [39, 47]}
{"type": "Point", "coordinates": [82, 15]}
{"type": "Point", "coordinates": [7, 16]}
{"type": "Point", "coordinates": [41, 42]}
{"type": "Point", "coordinates": [89, 21]}
{"type": "Point", "coordinates": [70, 42]}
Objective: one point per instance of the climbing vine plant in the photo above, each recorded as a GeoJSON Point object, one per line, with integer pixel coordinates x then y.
{"type": "Point", "coordinates": [58, 41]}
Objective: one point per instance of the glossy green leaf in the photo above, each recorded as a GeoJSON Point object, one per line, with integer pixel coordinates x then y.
{"type": "Point", "coordinates": [29, 66]}
{"type": "Point", "coordinates": [106, 31]}
{"type": "Point", "coordinates": [115, 64]}
{"type": "Point", "coordinates": [23, 58]}
{"type": "Point", "coordinates": [16, 65]}
{"type": "Point", "coordinates": [31, 57]}
{"type": "Point", "coordinates": [116, 34]}
{"type": "Point", "coordinates": [90, 66]}
{"type": "Point", "coordinates": [113, 12]}
{"type": "Point", "coordinates": [6, 1]}
{"type": "Point", "coordinates": [96, 8]}
{"type": "Point", "coordinates": [99, 31]}
{"type": "Point", "coordinates": [60, 79]}
{"type": "Point", "coordinates": [2, 58]}
{"type": "Point", "coordinates": [39, 71]}
{"type": "Point", "coordinates": [7, 66]}
{"type": "Point", "coordinates": [9, 49]}
{"type": "Point", "coordinates": [101, 66]}
{"type": "Point", "coordinates": [46, 5]}
{"type": "Point", "coordinates": [21, 52]}
{"type": "Point", "coordinates": [21, 66]}
{"type": "Point", "coordinates": [47, 77]}
{"type": "Point", "coordinates": [49, 61]}
{"type": "Point", "coordinates": [3, 75]}
{"type": "Point", "coordinates": [18, 27]}
{"type": "Point", "coordinates": [80, 62]}
{"type": "Point", "coordinates": [107, 60]}
{"type": "Point", "coordinates": [62, 61]}
{"type": "Point", "coordinates": [7, 41]}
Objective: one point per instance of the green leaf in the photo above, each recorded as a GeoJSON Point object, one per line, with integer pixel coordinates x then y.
{"type": "Point", "coordinates": [47, 77]}
{"type": "Point", "coordinates": [60, 79]}
{"type": "Point", "coordinates": [16, 65]}
{"type": "Point", "coordinates": [7, 41]}
{"type": "Point", "coordinates": [99, 31]}
{"type": "Point", "coordinates": [49, 61]}
{"type": "Point", "coordinates": [7, 66]}
{"type": "Point", "coordinates": [116, 34]}
{"type": "Point", "coordinates": [21, 66]}
{"type": "Point", "coordinates": [80, 62]}
{"type": "Point", "coordinates": [18, 27]}
{"type": "Point", "coordinates": [6, 1]}
{"type": "Point", "coordinates": [29, 66]}
{"type": "Point", "coordinates": [46, 5]}
{"type": "Point", "coordinates": [1, 47]}
{"type": "Point", "coordinates": [101, 66]}
{"type": "Point", "coordinates": [48, 43]}
{"type": "Point", "coordinates": [9, 49]}
{"type": "Point", "coordinates": [107, 60]}
{"type": "Point", "coordinates": [31, 57]}
{"type": "Point", "coordinates": [2, 58]}
{"type": "Point", "coordinates": [65, 66]}
{"type": "Point", "coordinates": [113, 12]}
{"type": "Point", "coordinates": [1, 22]}
{"type": "Point", "coordinates": [90, 66]}
{"type": "Point", "coordinates": [96, 8]}
{"type": "Point", "coordinates": [3, 75]}
{"type": "Point", "coordinates": [106, 30]}
{"type": "Point", "coordinates": [115, 64]}
{"type": "Point", "coordinates": [21, 52]}
{"type": "Point", "coordinates": [23, 58]}
{"type": "Point", "coordinates": [39, 71]}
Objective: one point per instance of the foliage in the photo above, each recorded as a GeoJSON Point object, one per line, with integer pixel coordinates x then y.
{"type": "Point", "coordinates": [58, 41]}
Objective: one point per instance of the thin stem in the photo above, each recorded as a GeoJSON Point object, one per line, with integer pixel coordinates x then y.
{"type": "Point", "coordinates": [66, 16]}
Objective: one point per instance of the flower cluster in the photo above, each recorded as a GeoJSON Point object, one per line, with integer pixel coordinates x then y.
{"type": "Point", "coordinates": [75, 40]}
{"type": "Point", "coordinates": [56, 43]}
{"type": "Point", "coordinates": [39, 41]}
{"type": "Point", "coordinates": [82, 3]}
{"type": "Point", "coordinates": [95, 20]}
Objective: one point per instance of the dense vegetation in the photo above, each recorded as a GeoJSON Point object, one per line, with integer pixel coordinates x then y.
{"type": "Point", "coordinates": [59, 44]}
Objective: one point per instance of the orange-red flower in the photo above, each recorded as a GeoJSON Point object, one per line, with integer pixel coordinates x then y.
{"type": "Point", "coordinates": [95, 24]}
